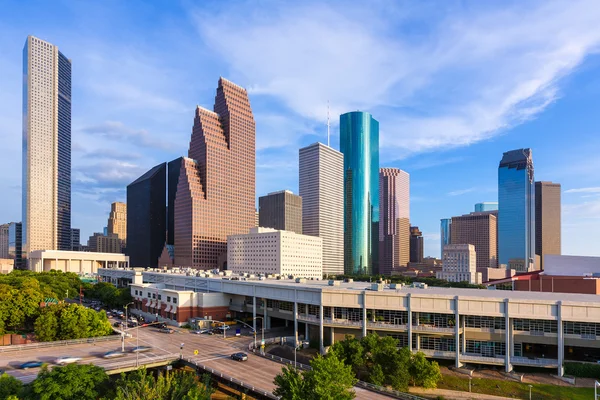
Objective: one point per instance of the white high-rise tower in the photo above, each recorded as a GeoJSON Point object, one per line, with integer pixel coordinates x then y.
{"type": "Point", "coordinates": [322, 190]}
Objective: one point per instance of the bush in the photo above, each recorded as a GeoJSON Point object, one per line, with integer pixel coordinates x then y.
{"type": "Point", "coordinates": [582, 370]}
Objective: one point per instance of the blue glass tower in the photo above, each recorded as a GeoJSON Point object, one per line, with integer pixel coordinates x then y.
{"type": "Point", "coordinates": [516, 209]}
{"type": "Point", "coordinates": [445, 232]}
{"type": "Point", "coordinates": [359, 142]}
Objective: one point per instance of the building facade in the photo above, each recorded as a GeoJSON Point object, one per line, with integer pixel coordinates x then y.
{"type": "Point", "coordinates": [117, 220]}
{"type": "Point", "coordinates": [146, 218]}
{"type": "Point", "coordinates": [15, 243]}
{"type": "Point", "coordinates": [216, 189]}
{"type": "Point", "coordinates": [321, 183]}
{"type": "Point", "coordinates": [394, 220]}
{"type": "Point", "coordinates": [280, 210]}
{"type": "Point", "coordinates": [459, 264]}
{"type": "Point", "coordinates": [46, 157]}
{"type": "Point", "coordinates": [4, 240]}
{"type": "Point", "coordinates": [516, 209]}
{"type": "Point", "coordinates": [101, 243]}
{"type": "Point", "coordinates": [416, 245]}
{"type": "Point", "coordinates": [75, 239]}
{"type": "Point", "coordinates": [272, 251]}
{"type": "Point", "coordinates": [445, 233]}
{"type": "Point", "coordinates": [359, 143]}
{"type": "Point", "coordinates": [480, 230]}
{"type": "Point", "coordinates": [173, 173]}
{"type": "Point", "coordinates": [547, 220]}
{"type": "Point", "coordinates": [79, 262]}
{"type": "Point", "coordinates": [486, 206]}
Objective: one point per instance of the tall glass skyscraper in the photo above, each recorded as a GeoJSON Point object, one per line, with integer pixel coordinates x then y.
{"type": "Point", "coordinates": [359, 143]}
{"type": "Point", "coordinates": [516, 209]}
{"type": "Point", "coordinates": [46, 147]}
{"type": "Point", "coordinates": [445, 233]}
{"type": "Point", "coordinates": [486, 206]}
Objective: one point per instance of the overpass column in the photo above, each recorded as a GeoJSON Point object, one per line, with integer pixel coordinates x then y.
{"type": "Point", "coordinates": [295, 320]}
{"type": "Point", "coordinates": [265, 317]}
{"type": "Point", "coordinates": [409, 323]}
{"type": "Point", "coordinates": [254, 314]}
{"type": "Point", "coordinates": [508, 337]}
{"type": "Point", "coordinates": [364, 327]}
{"type": "Point", "coordinates": [561, 339]}
{"type": "Point", "coordinates": [321, 348]}
{"type": "Point", "coordinates": [457, 333]}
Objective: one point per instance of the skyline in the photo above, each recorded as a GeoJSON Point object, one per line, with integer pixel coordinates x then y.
{"type": "Point", "coordinates": [129, 93]}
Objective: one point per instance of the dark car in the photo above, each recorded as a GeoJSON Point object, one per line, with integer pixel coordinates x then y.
{"type": "Point", "coordinates": [167, 330]}
{"type": "Point", "coordinates": [117, 324]}
{"type": "Point", "coordinates": [239, 356]}
{"type": "Point", "coordinates": [31, 364]}
{"type": "Point", "coordinates": [162, 325]}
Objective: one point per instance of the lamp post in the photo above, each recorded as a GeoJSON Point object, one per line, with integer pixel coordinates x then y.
{"type": "Point", "coordinates": [123, 330]}
{"type": "Point", "coordinates": [470, 379]}
{"type": "Point", "coordinates": [262, 329]}
{"type": "Point", "coordinates": [530, 386]}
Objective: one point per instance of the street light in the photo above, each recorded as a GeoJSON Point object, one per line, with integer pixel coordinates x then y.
{"type": "Point", "coordinates": [181, 351]}
{"type": "Point", "coordinates": [123, 330]}
{"type": "Point", "coordinates": [596, 386]}
{"type": "Point", "coordinates": [530, 386]}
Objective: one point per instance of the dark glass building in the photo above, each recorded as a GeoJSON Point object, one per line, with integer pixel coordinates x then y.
{"type": "Point", "coordinates": [63, 217]}
{"type": "Point", "coordinates": [516, 210]}
{"type": "Point", "coordinates": [146, 217]}
{"type": "Point", "coordinates": [15, 242]}
{"type": "Point", "coordinates": [416, 245]}
{"type": "Point", "coordinates": [174, 169]}
{"type": "Point", "coordinates": [359, 142]}
{"type": "Point", "coordinates": [281, 210]}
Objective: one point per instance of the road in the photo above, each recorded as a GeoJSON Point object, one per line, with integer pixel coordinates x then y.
{"type": "Point", "coordinates": [213, 351]}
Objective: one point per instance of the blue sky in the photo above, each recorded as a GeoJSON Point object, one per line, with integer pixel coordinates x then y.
{"type": "Point", "coordinates": [453, 83]}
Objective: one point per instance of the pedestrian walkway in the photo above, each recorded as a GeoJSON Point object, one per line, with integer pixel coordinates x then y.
{"type": "Point", "coordinates": [455, 394]}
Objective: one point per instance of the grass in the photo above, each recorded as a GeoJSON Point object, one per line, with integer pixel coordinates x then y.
{"type": "Point", "coordinates": [517, 390]}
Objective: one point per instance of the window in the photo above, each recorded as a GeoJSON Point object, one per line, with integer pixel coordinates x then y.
{"type": "Point", "coordinates": [159, 296]}
{"type": "Point", "coordinates": [153, 295]}
{"type": "Point", "coordinates": [175, 300]}
{"type": "Point", "coordinates": [168, 299]}
{"type": "Point", "coordinates": [149, 295]}
{"type": "Point", "coordinates": [136, 292]}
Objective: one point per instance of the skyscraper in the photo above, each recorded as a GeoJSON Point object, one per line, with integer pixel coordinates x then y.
{"type": "Point", "coordinates": [281, 210]}
{"type": "Point", "coordinates": [416, 245]}
{"type": "Point", "coordinates": [146, 217]}
{"type": "Point", "coordinates": [46, 147]}
{"type": "Point", "coordinates": [117, 220]}
{"type": "Point", "coordinates": [394, 219]}
{"type": "Point", "coordinates": [321, 180]}
{"type": "Point", "coordinates": [15, 242]}
{"type": "Point", "coordinates": [4, 240]}
{"type": "Point", "coordinates": [516, 209]}
{"type": "Point", "coordinates": [75, 239]}
{"type": "Point", "coordinates": [486, 206]}
{"type": "Point", "coordinates": [173, 172]}
{"type": "Point", "coordinates": [216, 189]}
{"type": "Point", "coordinates": [445, 233]}
{"type": "Point", "coordinates": [547, 219]}
{"type": "Point", "coordinates": [480, 230]}
{"type": "Point", "coordinates": [359, 143]}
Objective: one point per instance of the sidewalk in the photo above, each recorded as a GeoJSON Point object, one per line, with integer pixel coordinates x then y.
{"type": "Point", "coordinates": [455, 394]}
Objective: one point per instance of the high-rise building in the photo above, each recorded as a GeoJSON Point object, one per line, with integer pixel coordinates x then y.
{"type": "Point", "coordinates": [486, 206]}
{"type": "Point", "coordinates": [75, 239]}
{"type": "Point", "coordinates": [216, 189]}
{"type": "Point", "coordinates": [100, 243]}
{"type": "Point", "coordinates": [46, 147]}
{"type": "Point", "coordinates": [173, 172]}
{"type": "Point", "coordinates": [445, 233]}
{"type": "Point", "coordinates": [359, 143]}
{"type": "Point", "coordinates": [458, 264]}
{"type": "Point", "coordinates": [280, 210]}
{"type": "Point", "coordinates": [416, 245]}
{"type": "Point", "coordinates": [146, 230]}
{"type": "Point", "coordinates": [257, 219]}
{"type": "Point", "coordinates": [4, 240]}
{"type": "Point", "coordinates": [321, 182]}
{"type": "Point", "coordinates": [15, 243]}
{"type": "Point", "coordinates": [394, 219]}
{"type": "Point", "coordinates": [117, 221]}
{"type": "Point", "coordinates": [516, 209]}
{"type": "Point", "coordinates": [480, 230]}
{"type": "Point", "coordinates": [547, 219]}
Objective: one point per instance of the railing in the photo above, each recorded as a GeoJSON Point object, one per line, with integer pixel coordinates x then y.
{"type": "Point", "coordinates": [543, 362]}
{"type": "Point", "coordinates": [386, 325]}
{"type": "Point", "coordinates": [429, 328]}
{"type": "Point", "coordinates": [316, 320]}
{"type": "Point", "coordinates": [140, 362]}
{"type": "Point", "coordinates": [436, 353]}
{"type": "Point", "coordinates": [484, 359]}
{"type": "Point", "coordinates": [21, 347]}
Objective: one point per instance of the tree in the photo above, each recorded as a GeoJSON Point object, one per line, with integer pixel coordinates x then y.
{"type": "Point", "coordinates": [76, 382]}
{"type": "Point", "coordinates": [70, 321]}
{"type": "Point", "coordinates": [290, 385]}
{"type": "Point", "coordinates": [351, 352]}
{"type": "Point", "coordinates": [46, 326]}
{"type": "Point", "coordinates": [424, 373]}
{"type": "Point", "coordinates": [329, 379]}
{"type": "Point", "coordinates": [179, 385]}
{"type": "Point", "coordinates": [9, 386]}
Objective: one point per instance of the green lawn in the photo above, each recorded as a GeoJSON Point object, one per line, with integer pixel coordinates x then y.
{"type": "Point", "coordinates": [510, 388]}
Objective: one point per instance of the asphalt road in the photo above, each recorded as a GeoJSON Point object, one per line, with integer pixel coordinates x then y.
{"type": "Point", "coordinates": [213, 351]}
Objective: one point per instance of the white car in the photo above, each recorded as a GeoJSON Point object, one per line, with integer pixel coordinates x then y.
{"type": "Point", "coordinates": [223, 327]}
{"type": "Point", "coordinates": [67, 360]}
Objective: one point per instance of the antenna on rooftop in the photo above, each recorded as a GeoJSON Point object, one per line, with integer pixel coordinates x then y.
{"type": "Point", "coordinates": [328, 123]}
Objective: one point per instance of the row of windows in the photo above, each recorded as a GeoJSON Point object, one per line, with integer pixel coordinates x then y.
{"type": "Point", "coordinates": [153, 296]}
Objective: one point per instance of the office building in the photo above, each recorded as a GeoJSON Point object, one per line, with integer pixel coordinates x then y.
{"type": "Point", "coordinates": [480, 230]}
{"type": "Point", "coordinates": [416, 245]}
{"type": "Point", "coordinates": [173, 173]}
{"type": "Point", "coordinates": [547, 220]}
{"type": "Point", "coordinates": [15, 243]}
{"type": "Point", "coordinates": [486, 206]}
{"type": "Point", "coordinates": [257, 219]}
{"type": "Point", "coordinates": [146, 217]}
{"type": "Point", "coordinates": [46, 176]}
{"type": "Point", "coordinates": [280, 210]}
{"type": "Point", "coordinates": [445, 233]}
{"type": "Point", "coordinates": [321, 182]}
{"type": "Point", "coordinates": [272, 251]}
{"type": "Point", "coordinates": [79, 262]}
{"type": "Point", "coordinates": [216, 189]}
{"type": "Point", "coordinates": [359, 143]}
{"type": "Point", "coordinates": [99, 243]}
{"type": "Point", "coordinates": [394, 224]}
{"type": "Point", "coordinates": [75, 239]}
{"type": "Point", "coordinates": [516, 210]}
{"type": "Point", "coordinates": [4, 240]}
{"type": "Point", "coordinates": [117, 221]}
{"type": "Point", "coordinates": [459, 264]}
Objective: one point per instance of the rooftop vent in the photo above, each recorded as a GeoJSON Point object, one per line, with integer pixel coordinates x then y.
{"type": "Point", "coordinates": [377, 287]}
{"type": "Point", "coordinates": [334, 283]}
{"type": "Point", "coordinates": [300, 280]}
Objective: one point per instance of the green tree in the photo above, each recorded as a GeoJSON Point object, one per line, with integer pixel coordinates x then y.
{"type": "Point", "coordinates": [376, 376]}
{"type": "Point", "coordinates": [46, 326]}
{"type": "Point", "coordinates": [329, 379]}
{"type": "Point", "coordinates": [9, 386]}
{"type": "Point", "coordinates": [290, 385]}
{"type": "Point", "coordinates": [423, 372]}
{"type": "Point", "coordinates": [350, 351]}
{"type": "Point", "coordinates": [76, 382]}
{"type": "Point", "coordinates": [179, 385]}
{"type": "Point", "coordinates": [70, 321]}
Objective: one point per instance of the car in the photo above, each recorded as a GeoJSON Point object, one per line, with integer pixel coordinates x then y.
{"type": "Point", "coordinates": [239, 356]}
{"type": "Point", "coordinates": [161, 325]}
{"type": "Point", "coordinates": [223, 327]}
{"type": "Point", "coordinates": [117, 324]}
{"type": "Point", "coordinates": [113, 354]}
{"type": "Point", "coordinates": [200, 331]}
{"type": "Point", "coordinates": [31, 364]}
{"type": "Point", "coordinates": [67, 360]}
{"type": "Point", "coordinates": [141, 349]}
{"type": "Point", "coordinates": [167, 330]}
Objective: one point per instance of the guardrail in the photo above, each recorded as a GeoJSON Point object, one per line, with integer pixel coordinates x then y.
{"type": "Point", "coordinates": [545, 362]}
{"type": "Point", "coordinates": [58, 343]}
{"type": "Point", "coordinates": [141, 362]}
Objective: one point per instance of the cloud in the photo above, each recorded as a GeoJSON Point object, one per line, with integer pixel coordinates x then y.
{"type": "Point", "coordinates": [461, 191]}
{"type": "Point", "coordinates": [116, 130]}
{"type": "Point", "coordinates": [584, 190]}
{"type": "Point", "coordinates": [434, 81]}
{"type": "Point", "coordinates": [111, 154]}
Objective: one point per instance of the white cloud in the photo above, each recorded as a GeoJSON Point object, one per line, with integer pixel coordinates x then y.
{"type": "Point", "coordinates": [584, 190]}
{"type": "Point", "coordinates": [461, 191]}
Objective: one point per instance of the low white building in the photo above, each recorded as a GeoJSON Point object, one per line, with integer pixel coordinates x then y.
{"type": "Point", "coordinates": [272, 251]}
{"type": "Point", "coordinates": [79, 262]}
{"type": "Point", "coordinates": [459, 264]}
